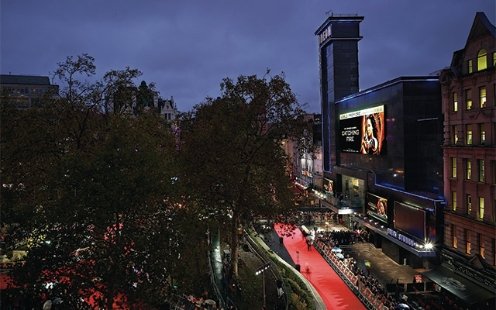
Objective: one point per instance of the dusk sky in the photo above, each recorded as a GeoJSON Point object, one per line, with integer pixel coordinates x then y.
{"type": "Point", "coordinates": [187, 47]}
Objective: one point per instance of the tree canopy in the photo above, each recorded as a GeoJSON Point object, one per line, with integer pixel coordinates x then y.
{"type": "Point", "coordinates": [91, 194]}
{"type": "Point", "coordinates": [108, 199]}
{"type": "Point", "coordinates": [233, 155]}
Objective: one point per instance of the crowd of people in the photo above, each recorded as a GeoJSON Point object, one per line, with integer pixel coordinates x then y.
{"type": "Point", "coordinates": [365, 279]}
{"type": "Point", "coordinates": [338, 237]}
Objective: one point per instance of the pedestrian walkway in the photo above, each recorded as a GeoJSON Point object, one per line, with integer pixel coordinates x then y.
{"type": "Point", "coordinates": [382, 267]}
{"type": "Point", "coordinates": [334, 292]}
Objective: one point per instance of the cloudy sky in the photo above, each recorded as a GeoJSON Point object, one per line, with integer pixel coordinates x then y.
{"type": "Point", "coordinates": [188, 46]}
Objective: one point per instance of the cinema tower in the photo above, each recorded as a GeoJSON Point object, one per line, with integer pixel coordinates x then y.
{"type": "Point", "coordinates": [338, 56]}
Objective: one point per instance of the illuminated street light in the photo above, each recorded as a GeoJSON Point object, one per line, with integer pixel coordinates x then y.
{"type": "Point", "coordinates": [261, 270]}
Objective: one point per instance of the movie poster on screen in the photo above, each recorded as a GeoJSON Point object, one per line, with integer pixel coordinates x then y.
{"type": "Point", "coordinates": [377, 207]}
{"type": "Point", "coordinates": [328, 186]}
{"type": "Point", "coordinates": [363, 131]}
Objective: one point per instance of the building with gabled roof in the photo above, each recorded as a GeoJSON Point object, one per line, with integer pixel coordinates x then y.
{"type": "Point", "coordinates": [469, 154]}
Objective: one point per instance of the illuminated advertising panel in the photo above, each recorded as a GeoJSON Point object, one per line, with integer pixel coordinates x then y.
{"type": "Point", "coordinates": [363, 131]}
{"type": "Point", "coordinates": [409, 219]}
{"type": "Point", "coordinates": [328, 186]}
{"type": "Point", "coordinates": [377, 207]}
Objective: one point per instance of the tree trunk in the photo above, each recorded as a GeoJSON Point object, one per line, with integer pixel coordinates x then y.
{"type": "Point", "coordinates": [234, 246]}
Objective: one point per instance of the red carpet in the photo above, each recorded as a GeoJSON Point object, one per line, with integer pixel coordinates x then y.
{"type": "Point", "coordinates": [334, 292]}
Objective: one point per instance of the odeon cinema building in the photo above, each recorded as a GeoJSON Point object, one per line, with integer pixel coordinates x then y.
{"type": "Point", "coordinates": [399, 178]}
{"type": "Point", "coordinates": [382, 149]}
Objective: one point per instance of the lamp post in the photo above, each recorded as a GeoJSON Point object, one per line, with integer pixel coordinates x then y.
{"type": "Point", "coordinates": [261, 270]}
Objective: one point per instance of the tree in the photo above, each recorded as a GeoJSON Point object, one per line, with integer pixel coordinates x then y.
{"type": "Point", "coordinates": [97, 190]}
{"type": "Point", "coordinates": [233, 155]}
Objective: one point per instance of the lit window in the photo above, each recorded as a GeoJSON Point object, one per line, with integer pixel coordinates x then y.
{"type": "Point", "coordinates": [482, 60]}
{"type": "Point", "coordinates": [455, 135]}
{"type": "Point", "coordinates": [469, 170]}
{"type": "Point", "coordinates": [455, 102]}
{"type": "Point", "coordinates": [481, 208]}
{"type": "Point", "coordinates": [468, 244]}
{"type": "Point", "coordinates": [482, 176]}
{"type": "Point", "coordinates": [482, 97]}
{"type": "Point", "coordinates": [453, 167]}
{"type": "Point", "coordinates": [453, 200]}
{"type": "Point", "coordinates": [483, 136]}
{"type": "Point", "coordinates": [453, 236]}
{"type": "Point", "coordinates": [468, 99]}
{"type": "Point", "coordinates": [482, 251]}
{"type": "Point", "coordinates": [469, 204]}
{"type": "Point", "coordinates": [469, 136]}
{"type": "Point", "coordinates": [494, 59]}
{"type": "Point", "coordinates": [470, 66]}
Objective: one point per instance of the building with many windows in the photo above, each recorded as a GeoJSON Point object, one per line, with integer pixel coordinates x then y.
{"type": "Point", "coordinates": [26, 91]}
{"type": "Point", "coordinates": [415, 161]}
{"type": "Point", "coordinates": [469, 107]}
{"type": "Point", "coordinates": [305, 161]}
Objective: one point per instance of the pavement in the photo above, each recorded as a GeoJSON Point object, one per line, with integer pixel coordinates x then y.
{"type": "Point", "coordinates": [383, 268]}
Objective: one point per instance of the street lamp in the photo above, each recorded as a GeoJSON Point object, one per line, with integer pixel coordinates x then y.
{"type": "Point", "coordinates": [261, 270]}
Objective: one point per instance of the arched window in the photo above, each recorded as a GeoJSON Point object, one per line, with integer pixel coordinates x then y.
{"type": "Point", "coordinates": [482, 60]}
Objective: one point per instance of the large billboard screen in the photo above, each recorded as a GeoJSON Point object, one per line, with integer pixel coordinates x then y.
{"type": "Point", "coordinates": [377, 207]}
{"type": "Point", "coordinates": [409, 219]}
{"type": "Point", "coordinates": [363, 131]}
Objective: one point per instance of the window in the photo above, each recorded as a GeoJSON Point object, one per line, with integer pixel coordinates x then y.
{"type": "Point", "coordinates": [468, 172]}
{"type": "Point", "coordinates": [482, 135]}
{"type": "Point", "coordinates": [453, 167]}
{"type": "Point", "coordinates": [455, 102]}
{"type": "Point", "coordinates": [482, 60]}
{"type": "Point", "coordinates": [493, 246]}
{"type": "Point", "coordinates": [482, 97]}
{"type": "Point", "coordinates": [469, 204]}
{"type": "Point", "coordinates": [482, 176]}
{"type": "Point", "coordinates": [494, 59]}
{"type": "Point", "coordinates": [493, 171]}
{"type": "Point", "coordinates": [455, 135]}
{"type": "Point", "coordinates": [469, 136]}
{"type": "Point", "coordinates": [468, 244]}
{"type": "Point", "coordinates": [480, 242]}
{"type": "Point", "coordinates": [470, 65]}
{"type": "Point", "coordinates": [468, 99]}
{"type": "Point", "coordinates": [481, 208]}
{"type": "Point", "coordinates": [453, 236]}
{"type": "Point", "coordinates": [453, 200]}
